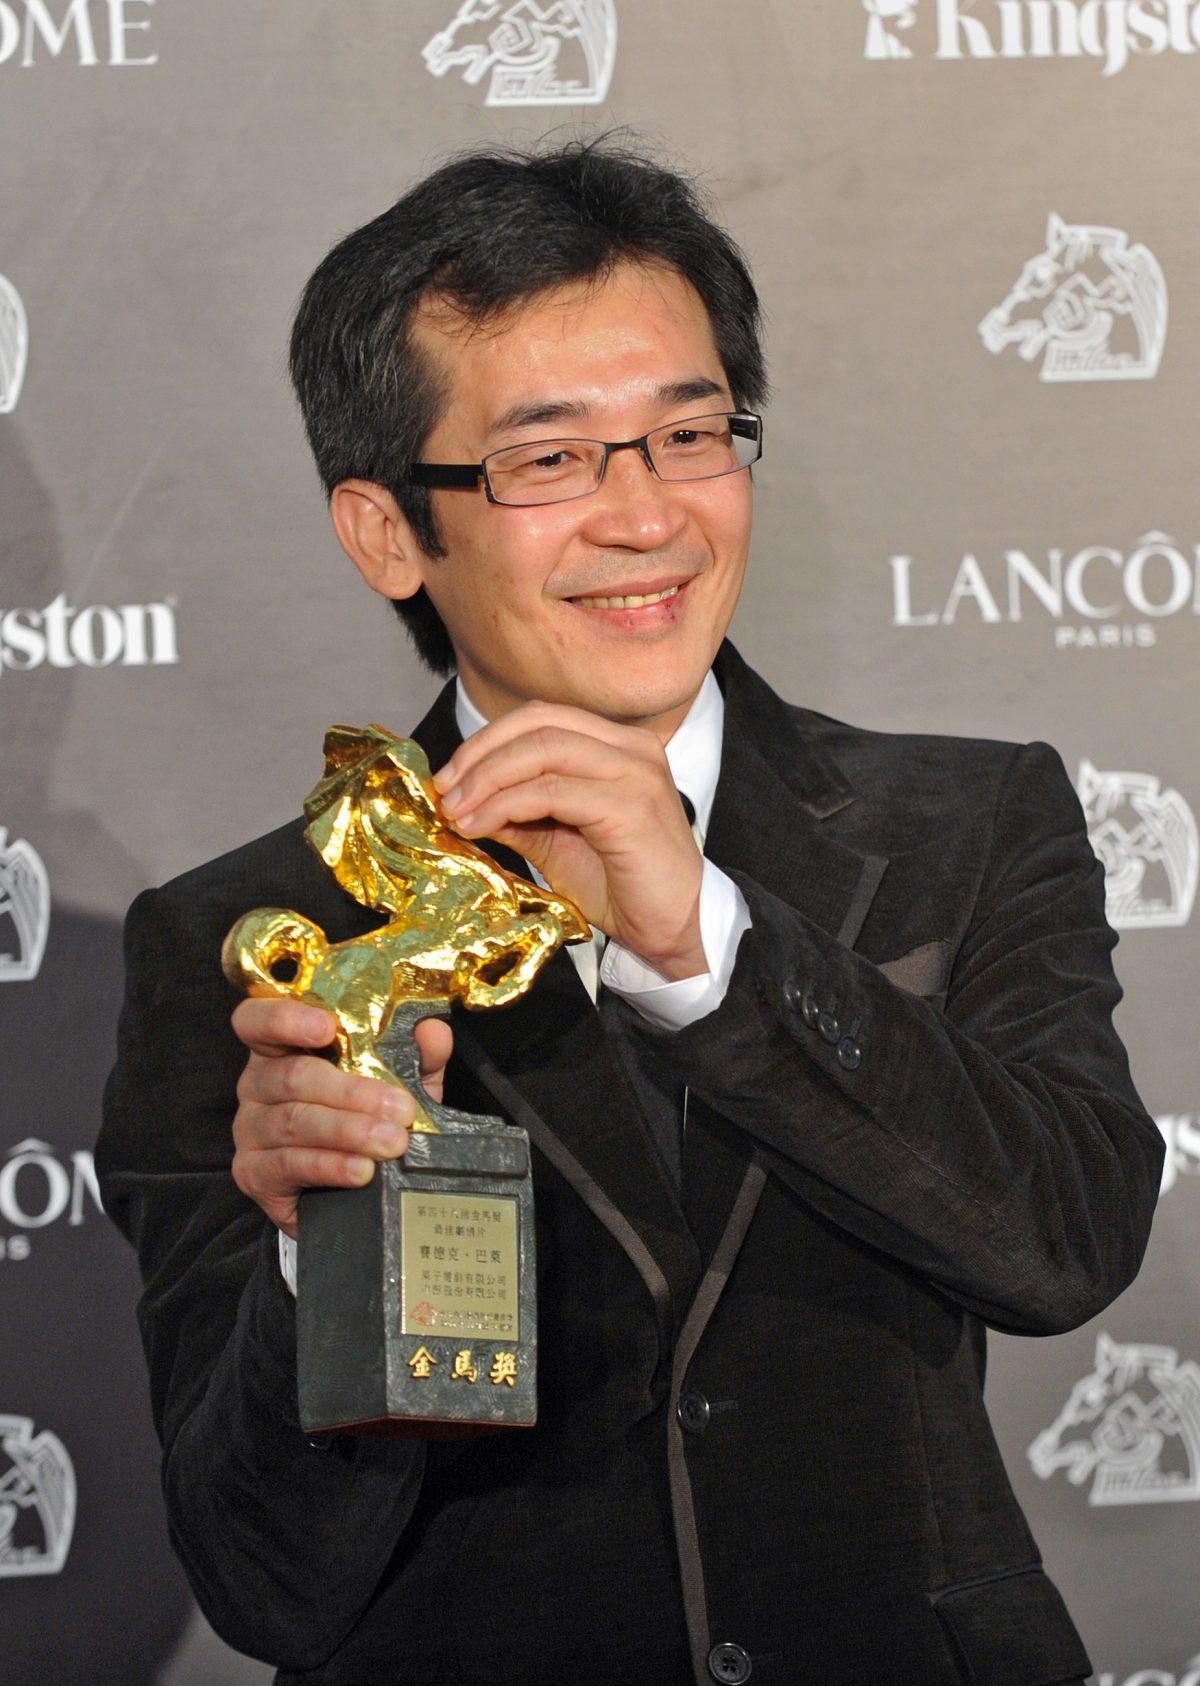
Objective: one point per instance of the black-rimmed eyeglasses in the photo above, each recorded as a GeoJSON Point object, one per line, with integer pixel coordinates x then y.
{"type": "Point", "coordinates": [556, 470]}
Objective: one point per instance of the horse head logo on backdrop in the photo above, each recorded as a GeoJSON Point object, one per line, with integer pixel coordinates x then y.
{"type": "Point", "coordinates": [1095, 305]}
{"type": "Point", "coordinates": [559, 53]}
{"type": "Point", "coordinates": [883, 16]}
{"type": "Point", "coordinates": [24, 910]}
{"type": "Point", "coordinates": [1148, 843]}
{"type": "Point", "coordinates": [14, 346]}
{"type": "Point", "coordinates": [1133, 1426]}
{"type": "Point", "coordinates": [37, 1500]}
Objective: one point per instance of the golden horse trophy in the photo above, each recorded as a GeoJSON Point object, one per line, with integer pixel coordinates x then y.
{"type": "Point", "coordinates": [416, 1305]}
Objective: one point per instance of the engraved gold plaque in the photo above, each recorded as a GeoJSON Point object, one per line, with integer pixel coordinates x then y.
{"type": "Point", "coordinates": [459, 1265]}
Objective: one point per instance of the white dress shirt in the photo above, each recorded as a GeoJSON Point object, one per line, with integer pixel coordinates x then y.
{"type": "Point", "coordinates": [694, 757]}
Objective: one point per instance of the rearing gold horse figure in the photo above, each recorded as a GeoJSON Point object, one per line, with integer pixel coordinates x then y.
{"type": "Point", "coordinates": [462, 928]}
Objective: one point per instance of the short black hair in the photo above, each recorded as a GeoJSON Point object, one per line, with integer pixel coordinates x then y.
{"type": "Point", "coordinates": [490, 229]}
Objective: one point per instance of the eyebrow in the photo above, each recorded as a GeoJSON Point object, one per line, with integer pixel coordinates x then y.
{"type": "Point", "coordinates": [544, 410]}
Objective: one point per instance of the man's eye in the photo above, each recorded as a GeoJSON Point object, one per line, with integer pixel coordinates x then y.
{"type": "Point", "coordinates": [693, 440]}
{"type": "Point", "coordinates": [540, 464]}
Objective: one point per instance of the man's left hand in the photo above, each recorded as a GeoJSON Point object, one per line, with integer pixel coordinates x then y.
{"type": "Point", "coordinates": [593, 806]}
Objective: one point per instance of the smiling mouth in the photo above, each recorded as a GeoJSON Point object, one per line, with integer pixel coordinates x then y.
{"type": "Point", "coordinates": [634, 601]}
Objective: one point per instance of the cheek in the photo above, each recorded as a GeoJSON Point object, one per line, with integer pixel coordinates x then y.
{"type": "Point", "coordinates": [525, 547]}
{"type": "Point", "coordinates": [724, 517]}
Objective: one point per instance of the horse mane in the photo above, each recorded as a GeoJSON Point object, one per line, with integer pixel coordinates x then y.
{"type": "Point", "coordinates": [381, 870]}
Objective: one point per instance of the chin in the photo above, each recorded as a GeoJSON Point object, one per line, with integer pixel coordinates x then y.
{"type": "Point", "coordinates": [644, 699]}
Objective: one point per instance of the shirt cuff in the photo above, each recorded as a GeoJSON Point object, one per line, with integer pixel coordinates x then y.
{"type": "Point", "coordinates": [287, 1260]}
{"type": "Point", "coordinates": [670, 1005]}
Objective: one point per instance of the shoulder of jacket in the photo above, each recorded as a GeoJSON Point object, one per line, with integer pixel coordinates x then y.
{"type": "Point", "coordinates": [939, 755]}
{"type": "Point", "coordinates": [278, 868]}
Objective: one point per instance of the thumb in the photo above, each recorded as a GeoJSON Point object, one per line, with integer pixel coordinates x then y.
{"type": "Point", "coordinates": [435, 1041]}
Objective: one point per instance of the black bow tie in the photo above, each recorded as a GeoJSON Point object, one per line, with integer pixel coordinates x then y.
{"type": "Point", "coordinates": [688, 808]}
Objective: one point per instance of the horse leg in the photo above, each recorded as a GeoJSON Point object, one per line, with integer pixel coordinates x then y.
{"type": "Point", "coordinates": [477, 991]}
{"type": "Point", "coordinates": [357, 1046]}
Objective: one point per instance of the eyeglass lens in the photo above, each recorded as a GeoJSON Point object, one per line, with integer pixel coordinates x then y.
{"type": "Point", "coordinates": [554, 470]}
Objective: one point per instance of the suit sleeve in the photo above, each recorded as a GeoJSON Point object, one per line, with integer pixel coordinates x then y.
{"type": "Point", "coordinates": [998, 1148]}
{"type": "Point", "coordinates": [284, 1540]}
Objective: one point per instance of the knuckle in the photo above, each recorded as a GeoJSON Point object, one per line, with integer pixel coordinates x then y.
{"type": "Point", "coordinates": [291, 1117]}
{"type": "Point", "coordinates": [346, 1093]}
{"type": "Point", "coordinates": [327, 1169]}
{"type": "Point", "coordinates": [363, 1096]}
{"type": "Point", "coordinates": [353, 1135]}
{"type": "Point", "coordinates": [292, 1077]}
{"type": "Point", "coordinates": [551, 738]}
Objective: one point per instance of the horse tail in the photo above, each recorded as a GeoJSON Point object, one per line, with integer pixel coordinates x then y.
{"type": "Point", "coordinates": [269, 939]}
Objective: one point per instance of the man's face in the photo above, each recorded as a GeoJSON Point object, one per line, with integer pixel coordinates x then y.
{"type": "Point", "coordinates": [608, 361]}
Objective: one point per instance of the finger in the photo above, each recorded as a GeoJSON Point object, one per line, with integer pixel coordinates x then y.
{"type": "Point", "coordinates": [301, 1125]}
{"type": "Point", "coordinates": [592, 806]}
{"type": "Point", "coordinates": [548, 749]}
{"type": "Point", "coordinates": [272, 1027]}
{"type": "Point", "coordinates": [531, 717]}
{"type": "Point", "coordinates": [304, 1078]}
{"type": "Point", "coordinates": [279, 1175]}
{"type": "Point", "coordinates": [435, 1042]}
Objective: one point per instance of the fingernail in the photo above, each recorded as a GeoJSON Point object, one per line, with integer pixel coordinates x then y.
{"type": "Point", "coordinates": [398, 1108]}
{"type": "Point", "coordinates": [453, 798]}
{"type": "Point", "coordinates": [443, 777]}
{"type": "Point", "coordinates": [315, 1022]}
{"type": "Point", "coordinates": [360, 1170]}
{"type": "Point", "coordinates": [464, 822]}
{"type": "Point", "coordinates": [387, 1138]}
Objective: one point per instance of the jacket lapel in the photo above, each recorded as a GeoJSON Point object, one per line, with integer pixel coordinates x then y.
{"type": "Point", "coordinates": [777, 793]}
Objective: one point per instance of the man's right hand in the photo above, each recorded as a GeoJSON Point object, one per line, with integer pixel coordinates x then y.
{"type": "Point", "coordinates": [301, 1122]}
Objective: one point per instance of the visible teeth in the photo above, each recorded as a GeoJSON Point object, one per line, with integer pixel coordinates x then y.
{"type": "Point", "coordinates": [627, 602]}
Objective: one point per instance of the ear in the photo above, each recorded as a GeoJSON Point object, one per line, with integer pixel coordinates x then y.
{"type": "Point", "coordinates": [377, 538]}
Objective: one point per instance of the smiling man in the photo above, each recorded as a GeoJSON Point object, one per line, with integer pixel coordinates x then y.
{"type": "Point", "coordinates": [834, 1088]}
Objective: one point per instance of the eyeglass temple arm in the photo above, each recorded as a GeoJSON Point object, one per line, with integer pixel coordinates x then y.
{"type": "Point", "coordinates": [445, 474]}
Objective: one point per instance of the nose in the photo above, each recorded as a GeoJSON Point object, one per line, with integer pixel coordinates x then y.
{"type": "Point", "coordinates": [632, 509]}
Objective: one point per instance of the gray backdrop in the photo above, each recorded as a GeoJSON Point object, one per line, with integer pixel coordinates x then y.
{"type": "Point", "coordinates": [974, 230]}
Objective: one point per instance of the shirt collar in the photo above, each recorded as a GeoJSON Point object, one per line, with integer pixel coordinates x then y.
{"type": "Point", "coordinates": [693, 752]}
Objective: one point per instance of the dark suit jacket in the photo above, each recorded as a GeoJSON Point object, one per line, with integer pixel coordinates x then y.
{"type": "Point", "coordinates": [762, 1437]}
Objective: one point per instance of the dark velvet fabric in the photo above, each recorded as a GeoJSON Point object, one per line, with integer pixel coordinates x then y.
{"type": "Point", "coordinates": [984, 1160]}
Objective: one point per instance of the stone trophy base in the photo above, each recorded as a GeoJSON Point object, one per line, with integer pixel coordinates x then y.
{"type": "Point", "coordinates": [416, 1306]}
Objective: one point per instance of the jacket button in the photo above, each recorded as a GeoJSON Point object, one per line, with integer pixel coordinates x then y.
{"type": "Point", "coordinates": [828, 1027]}
{"type": "Point", "coordinates": [320, 1442]}
{"type": "Point", "coordinates": [729, 1664]}
{"type": "Point", "coordinates": [693, 1411]}
{"type": "Point", "coordinates": [849, 1053]}
{"type": "Point", "coordinates": [809, 1011]}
